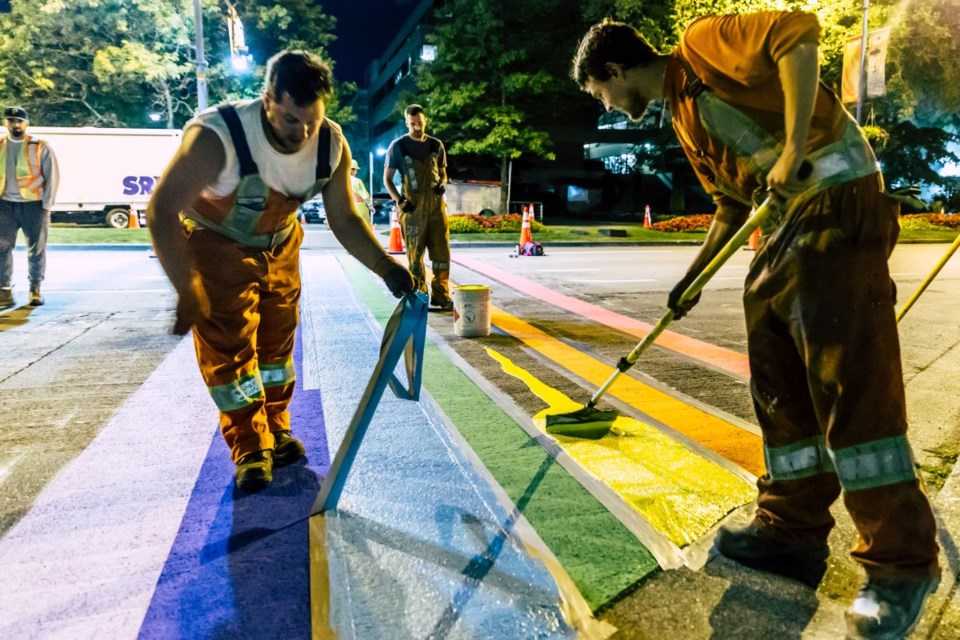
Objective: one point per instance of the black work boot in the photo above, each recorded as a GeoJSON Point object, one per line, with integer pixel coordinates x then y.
{"type": "Point", "coordinates": [6, 297]}
{"type": "Point", "coordinates": [35, 298]}
{"type": "Point", "coordinates": [753, 548]}
{"type": "Point", "coordinates": [286, 449]}
{"type": "Point", "coordinates": [255, 471]}
{"type": "Point", "coordinates": [443, 305]}
{"type": "Point", "coordinates": [888, 609]}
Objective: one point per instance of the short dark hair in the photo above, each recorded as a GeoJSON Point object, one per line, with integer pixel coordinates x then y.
{"type": "Point", "coordinates": [607, 42]}
{"type": "Point", "coordinates": [414, 110]}
{"type": "Point", "coordinates": [304, 76]}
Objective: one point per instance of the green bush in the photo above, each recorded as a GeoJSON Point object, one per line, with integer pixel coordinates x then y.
{"type": "Point", "coordinates": [472, 223]}
{"type": "Point", "coordinates": [920, 221]}
{"type": "Point", "coordinates": [696, 222]}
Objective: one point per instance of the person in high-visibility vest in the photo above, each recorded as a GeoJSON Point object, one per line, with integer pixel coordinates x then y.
{"type": "Point", "coordinates": [30, 177]}
{"type": "Point", "coordinates": [826, 377]}
{"type": "Point", "coordinates": [238, 180]}
{"type": "Point", "coordinates": [361, 197]}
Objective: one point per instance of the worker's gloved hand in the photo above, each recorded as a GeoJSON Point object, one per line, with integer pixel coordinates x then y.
{"type": "Point", "coordinates": [406, 206]}
{"type": "Point", "coordinates": [673, 300]}
{"type": "Point", "coordinates": [440, 189]}
{"type": "Point", "coordinates": [397, 279]}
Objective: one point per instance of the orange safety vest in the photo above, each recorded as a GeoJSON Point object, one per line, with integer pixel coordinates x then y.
{"type": "Point", "coordinates": [255, 215]}
{"type": "Point", "coordinates": [29, 171]}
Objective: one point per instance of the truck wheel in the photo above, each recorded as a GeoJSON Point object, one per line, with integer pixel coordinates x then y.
{"type": "Point", "coordinates": [117, 218]}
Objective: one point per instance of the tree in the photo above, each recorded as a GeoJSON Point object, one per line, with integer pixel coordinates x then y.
{"type": "Point", "coordinates": [487, 79]}
{"type": "Point", "coordinates": [113, 62]}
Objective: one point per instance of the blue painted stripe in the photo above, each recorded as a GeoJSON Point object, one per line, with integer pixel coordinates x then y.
{"type": "Point", "coordinates": [239, 565]}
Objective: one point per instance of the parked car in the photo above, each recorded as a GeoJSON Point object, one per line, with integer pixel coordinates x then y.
{"type": "Point", "coordinates": [383, 206]}
{"type": "Point", "coordinates": [314, 210]}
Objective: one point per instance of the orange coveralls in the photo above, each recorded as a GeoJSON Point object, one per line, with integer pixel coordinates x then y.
{"type": "Point", "coordinates": [819, 304]}
{"type": "Point", "coordinates": [245, 251]}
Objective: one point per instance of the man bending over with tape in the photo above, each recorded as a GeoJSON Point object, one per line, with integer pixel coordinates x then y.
{"type": "Point", "coordinates": [224, 224]}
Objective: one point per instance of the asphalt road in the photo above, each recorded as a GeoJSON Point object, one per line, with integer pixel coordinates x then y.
{"type": "Point", "coordinates": [67, 366]}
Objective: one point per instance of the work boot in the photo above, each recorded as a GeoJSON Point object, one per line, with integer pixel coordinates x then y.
{"type": "Point", "coordinates": [35, 298]}
{"type": "Point", "coordinates": [286, 449]}
{"type": "Point", "coordinates": [443, 305]}
{"type": "Point", "coordinates": [255, 471]}
{"type": "Point", "coordinates": [753, 548]}
{"type": "Point", "coordinates": [888, 609]}
{"type": "Point", "coordinates": [6, 297]}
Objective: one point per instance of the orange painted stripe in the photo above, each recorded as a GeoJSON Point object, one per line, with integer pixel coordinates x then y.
{"type": "Point", "coordinates": [723, 359]}
{"type": "Point", "coordinates": [729, 441]}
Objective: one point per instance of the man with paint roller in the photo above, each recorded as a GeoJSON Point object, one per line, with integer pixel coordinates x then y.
{"type": "Point", "coordinates": [750, 113]}
{"type": "Point", "coordinates": [224, 225]}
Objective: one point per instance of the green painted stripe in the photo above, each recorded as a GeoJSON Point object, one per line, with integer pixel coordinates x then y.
{"type": "Point", "coordinates": [601, 556]}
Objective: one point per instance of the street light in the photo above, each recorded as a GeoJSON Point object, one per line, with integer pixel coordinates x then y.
{"type": "Point", "coordinates": [201, 58]}
{"type": "Point", "coordinates": [380, 151]}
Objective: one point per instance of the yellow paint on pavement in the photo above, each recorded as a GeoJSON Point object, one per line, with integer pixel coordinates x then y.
{"type": "Point", "coordinates": [679, 493]}
{"type": "Point", "coordinates": [730, 441]}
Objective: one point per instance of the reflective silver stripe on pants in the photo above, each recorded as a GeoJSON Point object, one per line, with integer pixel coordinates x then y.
{"type": "Point", "coordinates": [441, 266]}
{"type": "Point", "coordinates": [277, 375]}
{"type": "Point", "coordinates": [799, 460]}
{"type": "Point", "coordinates": [874, 464]}
{"type": "Point", "coordinates": [238, 394]}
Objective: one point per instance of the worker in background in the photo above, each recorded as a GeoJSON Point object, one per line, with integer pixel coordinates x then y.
{"type": "Point", "coordinates": [826, 376]}
{"type": "Point", "coordinates": [30, 177]}
{"type": "Point", "coordinates": [224, 224]}
{"type": "Point", "coordinates": [422, 163]}
{"type": "Point", "coordinates": [361, 197]}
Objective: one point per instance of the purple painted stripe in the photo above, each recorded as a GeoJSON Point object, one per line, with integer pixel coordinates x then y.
{"type": "Point", "coordinates": [239, 566]}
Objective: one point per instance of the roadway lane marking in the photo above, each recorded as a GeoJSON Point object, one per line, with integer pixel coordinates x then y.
{"type": "Point", "coordinates": [721, 359]}
{"type": "Point", "coordinates": [585, 281]}
{"type": "Point", "coordinates": [678, 492]}
{"type": "Point", "coordinates": [726, 440]}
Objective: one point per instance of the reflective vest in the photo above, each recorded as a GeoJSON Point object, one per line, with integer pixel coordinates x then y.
{"type": "Point", "coordinates": [849, 158]}
{"type": "Point", "coordinates": [255, 215]}
{"type": "Point", "coordinates": [29, 171]}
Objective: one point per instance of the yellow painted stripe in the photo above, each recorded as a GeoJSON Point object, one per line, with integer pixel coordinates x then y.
{"type": "Point", "coordinates": [730, 441]}
{"type": "Point", "coordinates": [679, 493]}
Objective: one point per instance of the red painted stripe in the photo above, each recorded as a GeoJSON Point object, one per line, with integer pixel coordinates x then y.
{"type": "Point", "coordinates": [722, 359]}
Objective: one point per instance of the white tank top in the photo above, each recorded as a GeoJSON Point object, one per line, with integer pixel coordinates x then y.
{"type": "Point", "coordinates": [291, 174]}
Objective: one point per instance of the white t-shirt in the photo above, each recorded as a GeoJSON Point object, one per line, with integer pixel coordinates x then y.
{"type": "Point", "coordinates": [291, 174]}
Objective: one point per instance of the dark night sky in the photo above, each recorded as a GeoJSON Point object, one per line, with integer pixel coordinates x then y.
{"type": "Point", "coordinates": [364, 29]}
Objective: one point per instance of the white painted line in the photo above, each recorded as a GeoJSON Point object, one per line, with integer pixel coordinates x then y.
{"type": "Point", "coordinates": [8, 465]}
{"type": "Point", "coordinates": [108, 291]}
{"type": "Point", "coordinates": [84, 562]}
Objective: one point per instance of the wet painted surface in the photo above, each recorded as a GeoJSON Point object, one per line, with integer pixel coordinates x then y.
{"type": "Point", "coordinates": [715, 434]}
{"type": "Point", "coordinates": [601, 556]}
{"type": "Point", "coordinates": [722, 359]}
{"type": "Point", "coordinates": [239, 565]}
{"type": "Point", "coordinates": [419, 545]}
{"type": "Point", "coordinates": [681, 494]}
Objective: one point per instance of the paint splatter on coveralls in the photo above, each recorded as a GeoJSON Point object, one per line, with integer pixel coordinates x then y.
{"type": "Point", "coordinates": [819, 303]}
{"type": "Point", "coordinates": [245, 250]}
{"type": "Point", "coordinates": [425, 228]}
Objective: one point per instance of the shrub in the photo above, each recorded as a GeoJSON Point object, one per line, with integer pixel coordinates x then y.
{"type": "Point", "coordinates": [696, 222]}
{"type": "Point", "coordinates": [472, 223]}
{"type": "Point", "coordinates": [930, 220]}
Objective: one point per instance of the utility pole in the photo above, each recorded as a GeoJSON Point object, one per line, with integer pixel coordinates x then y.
{"type": "Point", "coordinates": [201, 58]}
{"type": "Point", "coordinates": [863, 60]}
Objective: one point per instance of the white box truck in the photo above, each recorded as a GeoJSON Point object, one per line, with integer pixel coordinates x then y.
{"type": "Point", "coordinates": [106, 173]}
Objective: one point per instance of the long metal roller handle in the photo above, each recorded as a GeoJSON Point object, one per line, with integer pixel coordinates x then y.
{"type": "Point", "coordinates": [764, 211]}
{"type": "Point", "coordinates": [933, 274]}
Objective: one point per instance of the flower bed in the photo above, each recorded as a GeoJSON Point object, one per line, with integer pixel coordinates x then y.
{"type": "Point", "coordinates": [695, 222]}
{"type": "Point", "coordinates": [930, 220]}
{"type": "Point", "coordinates": [472, 223]}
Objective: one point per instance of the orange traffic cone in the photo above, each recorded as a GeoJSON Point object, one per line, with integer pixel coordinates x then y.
{"type": "Point", "coordinates": [396, 240]}
{"type": "Point", "coordinates": [133, 219]}
{"type": "Point", "coordinates": [754, 240]}
{"type": "Point", "coordinates": [647, 218]}
{"type": "Point", "coordinates": [525, 235]}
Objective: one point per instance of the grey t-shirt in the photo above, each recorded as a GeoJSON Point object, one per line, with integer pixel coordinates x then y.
{"type": "Point", "coordinates": [416, 149]}
{"type": "Point", "coordinates": [48, 167]}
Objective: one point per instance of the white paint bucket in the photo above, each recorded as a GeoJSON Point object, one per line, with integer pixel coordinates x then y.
{"type": "Point", "coordinates": [471, 311]}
